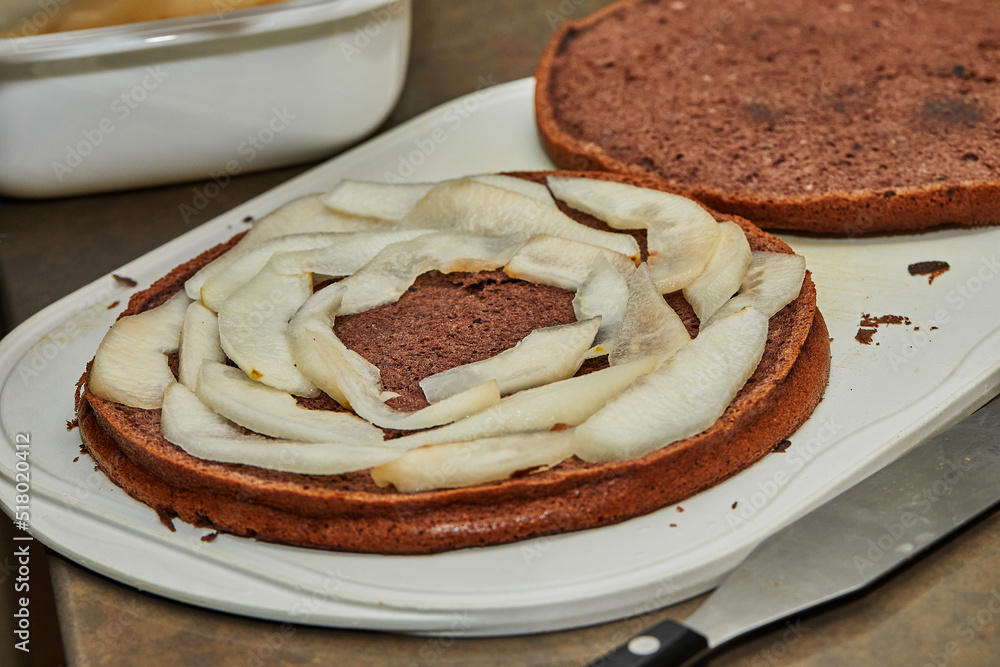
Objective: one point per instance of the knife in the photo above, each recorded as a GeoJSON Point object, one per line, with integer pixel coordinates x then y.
{"type": "Point", "coordinates": [842, 546]}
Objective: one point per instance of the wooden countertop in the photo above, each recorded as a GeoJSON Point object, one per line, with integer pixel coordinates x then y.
{"type": "Point", "coordinates": [941, 610]}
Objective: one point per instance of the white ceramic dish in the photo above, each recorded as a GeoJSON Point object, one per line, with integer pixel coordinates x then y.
{"type": "Point", "coordinates": [193, 98]}
{"type": "Point", "coordinates": [882, 399]}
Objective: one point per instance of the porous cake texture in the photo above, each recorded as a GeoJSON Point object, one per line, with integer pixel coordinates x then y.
{"type": "Point", "coordinates": [833, 116]}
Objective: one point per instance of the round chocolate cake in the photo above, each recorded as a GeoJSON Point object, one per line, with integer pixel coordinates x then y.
{"type": "Point", "coordinates": [830, 117]}
{"type": "Point", "coordinates": [444, 320]}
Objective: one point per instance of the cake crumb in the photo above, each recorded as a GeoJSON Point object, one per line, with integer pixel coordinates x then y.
{"type": "Point", "coordinates": [680, 509]}
{"type": "Point", "coordinates": [124, 280]}
{"type": "Point", "coordinates": [248, 219]}
{"type": "Point", "coordinates": [931, 269]}
{"type": "Point", "coordinates": [75, 459]}
{"type": "Point", "coordinates": [735, 503]}
{"type": "Point", "coordinates": [782, 446]}
{"type": "Point", "coordinates": [166, 518]}
{"type": "Point", "coordinates": [864, 336]}
{"type": "Point", "coordinates": [210, 537]}
{"type": "Point", "coordinates": [869, 324]}
{"type": "Point", "coordinates": [868, 321]}
{"type": "Point", "coordinates": [113, 304]}
{"type": "Point", "coordinates": [673, 525]}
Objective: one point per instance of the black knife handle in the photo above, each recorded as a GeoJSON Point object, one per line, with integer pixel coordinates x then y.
{"type": "Point", "coordinates": [666, 644]}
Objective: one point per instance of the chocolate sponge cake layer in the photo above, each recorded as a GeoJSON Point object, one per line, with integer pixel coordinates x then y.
{"type": "Point", "coordinates": [821, 116]}
{"type": "Point", "coordinates": [349, 512]}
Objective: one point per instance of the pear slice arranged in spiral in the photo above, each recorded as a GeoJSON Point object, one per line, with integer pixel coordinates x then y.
{"type": "Point", "coordinates": [253, 326]}
{"type": "Point", "coordinates": [199, 343]}
{"type": "Point", "coordinates": [370, 199]}
{"type": "Point", "coordinates": [681, 235]}
{"type": "Point", "coordinates": [683, 397]}
{"type": "Point", "coordinates": [354, 382]}
{"type": "Point", "coordinates": [568, 402]}
{"type": "Point", "coordinates": [650, 327]}
{"type": "Point", "coordinates": [545, 355]}
{"type": "Point", "coordinates": [389, 274]}
{"type": "Point", "coordinates": [531, 189]}
{"type": "Point", "coordinates": [130, 366]}
{"type": "Point", "coordinates": [302, 215]}
{"type": "Point", "coordinates": [392, 201]}
{"type": "Point", "coordinates": [459, 464]}
{"type": "Point", "coordinates": [558, 262]}
{"type": "Point", "coordinates": [328, 253]}
{"type": "Point", "coordinates": [603, 293]}
{"type": "Point", "coordinates": [469, 206]}
{"type": "Point", "coordinates": [229, 392]}
{"type": "Point", "coordinates": [724, 274]}
{"type": "Point", "coordinates": [773, 281]}
{"type": "Point", "coordinates": [202, 433]}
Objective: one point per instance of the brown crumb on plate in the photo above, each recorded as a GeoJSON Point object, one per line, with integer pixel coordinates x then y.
{"type": "Point", "coordinates": [931, 269]}
{"type": "Point", "coordinates": [868, 321]}
{"type": "Point", "coordinates": [864, 336]}
{"type": "Point", "coordinates": [124, 280]}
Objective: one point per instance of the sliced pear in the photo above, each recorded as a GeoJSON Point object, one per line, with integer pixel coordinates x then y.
{"type": "Point", "coordinates": [568, 402]}
{"type": "Point", "coordinates": [351, 380]}
{"type": "Point", "coordinates": [189, 424]}
{"type": "Point", "coordinates": [470, 206]}
{"type": "Point", "coordinates": [724, 273]}
{"type": "Point", "coordinates": [307, 214]}
{"type": "Point", "coordinates": [681, 233]}
{"type": "Point", "coordinates": [558, 262]}
{"type": "Point", "coordinates": [349, 254]}
{"type": "Point", "coordinates": [253, 323]}
{"type": "Point", "coordinates": [388, 275]}
{"type": "Point", "coordinates": [459, 464]}
{"type": "Point", "coordinates": [299, 216]}
{"type": "Point", "coordinates": [218, 287]}
{"type": "Point", "coordinates": [229, 392]}
{"type": "Point", "coordinates": [329, 253]}
{"type": "Point", "coordinates": [603, 293]}
{"type": "Point", "coordinates": [385, 201]}
{"type": "Point", "coordinates": [545, 355]}
{"type": "Point", "coordinates": [199, 343]}
{"type": "Point", "coordinates": [130, 366]}
{"type": "Point", "coordinates": [392, 201]}
{"type": "Point", "coordinates": [650, 326]}
{"type": "Point", "coordinates": [515, 184]}
{"type": "Point", "coordinates": [686, 395]}
{"type": "Point", "coordinates": [773, 281]}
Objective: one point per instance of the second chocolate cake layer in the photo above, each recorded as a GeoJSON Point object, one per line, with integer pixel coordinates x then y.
{"type": "Point", "coordinates": [349, 512]}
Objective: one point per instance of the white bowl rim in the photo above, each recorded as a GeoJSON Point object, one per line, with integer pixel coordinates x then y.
{"type": "Point", "coordinates": [134, 37]}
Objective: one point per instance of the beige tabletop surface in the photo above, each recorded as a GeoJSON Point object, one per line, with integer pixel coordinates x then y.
{"type": "Point", "coordinates": [942, 609]}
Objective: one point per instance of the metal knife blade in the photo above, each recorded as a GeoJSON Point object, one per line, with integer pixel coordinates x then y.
{"type": "Point", "coordinates": [842, 546]}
